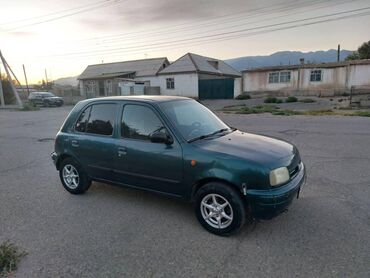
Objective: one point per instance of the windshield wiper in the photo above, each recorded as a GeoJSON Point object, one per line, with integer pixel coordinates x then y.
{"type": "Point", "coordinates": [208, 135]}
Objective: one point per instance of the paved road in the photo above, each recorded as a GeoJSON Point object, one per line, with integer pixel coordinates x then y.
{"type": "Point", "coordinates": [118, 232]}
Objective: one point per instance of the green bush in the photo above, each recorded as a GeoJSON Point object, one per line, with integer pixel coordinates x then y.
{"type": "Point", "coordinates": [272, 100]}
{"type": "Point", "coordinates": [243, 96]}
{"type": "Point", "coordinates": [9, 258]}
{"type": "Point", "coordinates": [291, 99]}
{"type": "Point", "coordinates": [29, 107]}
{"type": "Point", "coordinates": [307, 100]}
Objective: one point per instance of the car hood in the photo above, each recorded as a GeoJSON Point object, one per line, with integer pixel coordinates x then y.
{"type": "Point", "coordinates": [266, 151]}
{"type": "Point", "coordinates": [54, 98]}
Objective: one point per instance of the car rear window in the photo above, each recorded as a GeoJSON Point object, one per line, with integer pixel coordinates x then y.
{"type": "Point", "coordinates": [82, 120]}
{"type": "Point", "coordinates": [97, 119]}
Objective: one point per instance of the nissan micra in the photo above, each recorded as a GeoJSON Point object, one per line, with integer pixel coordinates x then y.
{"type": "Point", "coordinates": [177, 147]}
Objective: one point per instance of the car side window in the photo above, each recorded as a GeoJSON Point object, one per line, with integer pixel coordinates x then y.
{"type": "Point", "coordinates": [82, 120]}
{"type": "Point", "coordinates": [101, 119]}
{"type": "Point", "coordinates": [139, 122]}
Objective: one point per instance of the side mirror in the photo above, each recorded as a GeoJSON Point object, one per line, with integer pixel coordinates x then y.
{"type": "Point", "coordinates": [161, 137]}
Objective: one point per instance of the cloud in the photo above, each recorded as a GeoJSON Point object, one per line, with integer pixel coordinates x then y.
{"type": "Point", "coordinates": [148, 12]}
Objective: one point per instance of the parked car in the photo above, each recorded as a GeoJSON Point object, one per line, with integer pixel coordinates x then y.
{"type": "Point", "coordinates": [45, 99]}
{"type": "Point", "coordinates": [176, 146]}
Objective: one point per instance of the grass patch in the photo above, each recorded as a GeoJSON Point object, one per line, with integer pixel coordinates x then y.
{"type": "Point", "coordinates": [323, 112]}
{"type": "Point", "coordinates": [275, 110]}
{"type": "Point", "coordinates": [291, 99]}
{"type": "Point", "coordinates": [272, 100]}
{"type": "Point", "coordinates": [243, 96]}
{"type": "Point", "coordinates": [28, 107]}
{"type": "Point", "coordinates": [361, 113]}
{"type": "Point", "coordinates": [307, 100]}
{"type": "Point", "coordinates": [258, 109]}
{"type": "Point", "coordinates": [10, 256]}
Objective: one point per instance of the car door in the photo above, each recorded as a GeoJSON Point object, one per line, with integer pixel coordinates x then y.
{"type": "Point", "coordinates": [93, 142]}
{"type": "Point", "coordinates": [141, 163]}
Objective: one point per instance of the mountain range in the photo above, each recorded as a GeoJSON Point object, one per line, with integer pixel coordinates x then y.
{"type": "Point", "coordinates": [286, 58]}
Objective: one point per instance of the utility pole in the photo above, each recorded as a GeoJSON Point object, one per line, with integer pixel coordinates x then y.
{"type": "Point", "coordinates": [25, 78]}
{"type": "Point", "coordinates": [7, 68]}
{"type": "Point", "coordinates": [1, 93]}
{"type": "Point", "coordinates": [46, 78]}
{"type": "Point", "coordinates": [338, 53]}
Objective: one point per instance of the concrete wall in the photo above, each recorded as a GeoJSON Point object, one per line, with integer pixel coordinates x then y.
{"type": "Point", "coordinates": [185, 85]}
{"type": "Point", "coordinates": [152, 81]}
{"type": "Point", "coordinates": [334, 80]}
{"type": "Point", "coordinates": [359, 75]}
{"type": "Point", "coordinates": [237, 87]}
{"type": "Point", "coordinates": [258, 81]}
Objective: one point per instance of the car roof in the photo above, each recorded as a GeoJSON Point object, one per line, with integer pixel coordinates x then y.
{"type": "Point", "coordinates": [141, 98]}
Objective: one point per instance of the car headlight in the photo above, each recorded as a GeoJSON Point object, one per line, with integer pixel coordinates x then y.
{"type": "Point", "coordinates": [279, 176]}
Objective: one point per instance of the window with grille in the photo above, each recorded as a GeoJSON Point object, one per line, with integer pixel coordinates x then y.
{"type": "Point", "coordinates": [273, 77]}
{"type": "Point", "coordinates": [316, 76]}
{"type": "Point", "coordinates": [170, 83]}
{"type": "Point", "coordinates": [284, 77]}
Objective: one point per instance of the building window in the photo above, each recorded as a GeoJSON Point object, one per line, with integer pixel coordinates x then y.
{"type": "Point", "coordinates": [109, 87]}
{"type": "Point", "coordinates": [284, 77]}
{"type": "Point", "coordinates": [316, 76]}
{"type": "Point", "coordinates": [90, 87]}
{"type": "Point", "coordinates": [279, 77]}
{"type": "Point", "coordinates": [273, 77]}
{"type": "Point", "coordinates": [170, 83]}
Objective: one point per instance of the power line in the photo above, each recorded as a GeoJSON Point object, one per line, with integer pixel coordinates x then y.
{"type": "Point", "coordinates": [51, 14]}
{"type": "Point", "coordinates": [203, 42]}
{"type": "Point", "coordinates": [110, 3]}
{"type": "Point", "coordinates": [210, 22]}
{"type": "Point", "coordinates": [238, 31]}
{"type": "Point", "coordinates": [158, 39]}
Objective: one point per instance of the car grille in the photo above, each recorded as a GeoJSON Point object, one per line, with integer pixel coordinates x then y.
{"type": "Point", "coordinates": [294, 172]}
{"type": "Point", "coordinates": [294, 166]}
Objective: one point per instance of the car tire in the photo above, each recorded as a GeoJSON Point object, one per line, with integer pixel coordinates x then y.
{"type": "Point", "coordinates": [215, 219]}
{"type": "Point", "coordinates": [73, 176]}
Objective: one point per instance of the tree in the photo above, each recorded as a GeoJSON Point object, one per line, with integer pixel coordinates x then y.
{"type": "Point", "coordinates": [363, 52]}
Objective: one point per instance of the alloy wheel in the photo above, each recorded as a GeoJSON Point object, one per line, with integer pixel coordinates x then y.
{"type": "Point", "coordinates": [216, 211]}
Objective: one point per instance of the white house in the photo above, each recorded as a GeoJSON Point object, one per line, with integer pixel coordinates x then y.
{"type": "Point", "coordinates": [200, 77]}
{"type": "Point", "coordinates": [191, 75]}
{"type": "Point", "coordinates": [325, 79]}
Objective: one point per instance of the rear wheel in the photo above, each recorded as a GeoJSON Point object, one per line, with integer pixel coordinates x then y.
{"type": "Point", "coordinates": [73, 177]}
{"type": "Point", "coordinates": [220, 209]}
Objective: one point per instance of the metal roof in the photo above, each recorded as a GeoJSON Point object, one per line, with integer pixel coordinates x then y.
{"type": "Point", "coordinates": [305, 66]}
{"type": "Point", "coordinates": [145, 67]}
{"type": "Point", "coordinates": [200, 64]}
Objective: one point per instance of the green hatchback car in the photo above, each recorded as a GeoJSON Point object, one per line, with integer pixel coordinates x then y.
{"type": "Point", "coordinates": [177, 147]}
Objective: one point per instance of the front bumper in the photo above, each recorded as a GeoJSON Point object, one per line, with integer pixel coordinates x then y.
{"type": "Point", "coordinates": [54, 157]}
{"type": "Point", "coordinates": [266, 204]}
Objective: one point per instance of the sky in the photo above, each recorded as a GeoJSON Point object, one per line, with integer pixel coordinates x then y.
{"type": "Point", "coordinates": [64, 36]}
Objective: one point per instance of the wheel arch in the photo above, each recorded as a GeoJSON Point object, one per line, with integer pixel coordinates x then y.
{"type": "Point", "coordinates": [200, 183]}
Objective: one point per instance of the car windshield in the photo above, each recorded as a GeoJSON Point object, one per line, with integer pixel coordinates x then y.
{"type": "Point", "coordinates": [192, 119]}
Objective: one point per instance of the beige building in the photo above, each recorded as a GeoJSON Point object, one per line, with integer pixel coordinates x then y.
{"type": "Point", "coordinates": [326, 79]}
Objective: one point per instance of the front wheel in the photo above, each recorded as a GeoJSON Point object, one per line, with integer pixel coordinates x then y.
{"type": "Point", "coordinates": [220, 209]}
{"type": "Point", "coordinates": [73, 177]}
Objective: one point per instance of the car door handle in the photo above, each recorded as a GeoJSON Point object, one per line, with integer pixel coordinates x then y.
{"type": "Point", "coordinates": [122, 151]}
{"type": "Point", "coordinates": [74, 143]}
